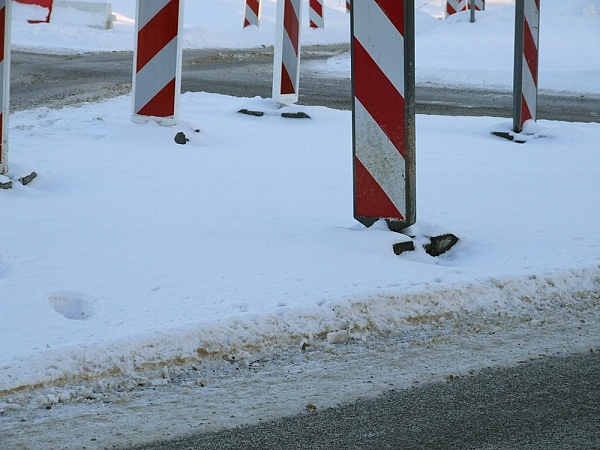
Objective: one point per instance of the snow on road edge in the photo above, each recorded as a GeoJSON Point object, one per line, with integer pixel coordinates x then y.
{"type": "Point", "coordinates": [491, 303]}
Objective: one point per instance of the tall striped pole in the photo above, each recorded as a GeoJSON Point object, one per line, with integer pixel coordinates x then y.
{"type": "Point", "coordinates": [252, 13]}
{"type": "Point", "coordinates": [525, 83]}
{"type": "Point", "coordinates": [5, 17]}
{"type": "Point", "coordinates": [286, 61]}
{"type": "Point", "coordinates": [383, 113]}
{"type": "Point", "coordinates": [157, 61]}
{"type": "Point", "coordinates": [315, 14]}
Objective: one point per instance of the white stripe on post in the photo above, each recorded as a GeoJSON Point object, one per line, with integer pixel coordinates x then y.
{"type": "Point", "coordinates": [252, 13]}
{"type": "Point", "coordinates": [157, 61]}
{"type": "Point", "coordinates": [527, 27]}
{"type": "Point", "coordinates": [286, 61]}
{"type": "Point", "coordinates": [383, 112]}
{"type": "Point", "coordinates": [5, 17]}
{"type": "Point", "coordinates": [454, 6]}
{"type": "Point", "coordinates": [315, 14]}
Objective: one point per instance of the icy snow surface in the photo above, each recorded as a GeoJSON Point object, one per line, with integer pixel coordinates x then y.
{"type": "Point", "coordinates": [135, 270]}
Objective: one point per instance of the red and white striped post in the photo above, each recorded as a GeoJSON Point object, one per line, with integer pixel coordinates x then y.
{"type": "Point", "coordinates": [454, 6]}
{"type": "Point", "coordinates": [383, 83]}
{"type": "Point", "coordinates": [286, 62]}
{"type": "Point", "coordinates": [315, 14]}
{"type": "Point", "coordinates": [157, 61]}
{"type": "Point", "coordinates": [252, 13]}
{"type": "Point", "coordinates": [5, 17]}
{"type": "Point", "coordinates": [525, 83]}
{"type": "Point", "coordinates": [479, 5]}
{"type": "Point", "coordinates": [348, 6]}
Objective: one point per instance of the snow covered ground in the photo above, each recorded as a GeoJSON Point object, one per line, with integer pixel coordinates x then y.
{"type": "Point", "coordinates": [129, 253]}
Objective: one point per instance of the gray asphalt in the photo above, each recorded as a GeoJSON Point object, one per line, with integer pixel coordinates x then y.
{"type": "Point", "coordinates": [553, 403]}
{"type": "Point", "coordinates": [39, 80]}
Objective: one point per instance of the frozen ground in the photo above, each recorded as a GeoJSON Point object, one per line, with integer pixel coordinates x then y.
{"type": "Point", "coordinates": [137, 274]}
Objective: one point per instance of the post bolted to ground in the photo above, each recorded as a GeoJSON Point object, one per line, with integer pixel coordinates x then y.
{"type": "Point", "coordinates": [157, 61]}
{"type": "Point", "coordinates": [286, 61]}
{"type": "Point", "coordinates": [525, 83]}
{"type": "Point", "coordinates": [383, 113]}
{"type": "Point", "coordinates": [252, 13]}
{"type": "Point", "coordinates": [5, 17]}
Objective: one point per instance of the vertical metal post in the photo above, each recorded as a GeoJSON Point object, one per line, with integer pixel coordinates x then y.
{"type": "Point", "coordinates": [525, 81]}
{"type": "Point", "coordinates": [157, 61]}
{"type": "Point", "coordinates": [472, 6]}
{"type": "Point", "coordinates": [252, 13]}
{"type": "Point", "coordinates": [383, 112]}
{"type": "Point", "coordinates": [518, 65]}
{"type": "Point", "coordinates": [5, 18]}
{"type": "Point", "coordinates": [286, 61]}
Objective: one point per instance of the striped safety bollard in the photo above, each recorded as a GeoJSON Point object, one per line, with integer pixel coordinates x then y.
{"type": "Point", "coordinates": [479, 5]}
{"type": "Point", "coordinates": [5, 17]}
{"type": "Point", "coordinates": [286, 61]}
{"type": "Point", "coordinates": [383, 80]}
{"type": "Point", "coordinates": [315, 14]}
{"type": "Point", "coordinates": [252, 13]}
{"type": "Point", "coordinates": [157, 61]}
{"type": "Point", "coordinates": [525, 84]}
{"type": "Point", "coordinates": [454, 6]}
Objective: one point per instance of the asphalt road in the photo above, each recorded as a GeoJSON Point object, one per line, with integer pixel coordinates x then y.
{"type": "Point", "coordinates": [553, 403]}
{"type": "Point", "coordinates": [39, 80]}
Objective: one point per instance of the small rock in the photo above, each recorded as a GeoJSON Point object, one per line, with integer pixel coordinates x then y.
{"type": "Point", "coordinates": [402, 247]}
{"type": "Point", "coordinates": [440, 244]}
{"type": "Point", "coordinates": [251, 113]}
{"type": "Point", "coordinates": [296, 115]}
{"type": "Point", "coordinates": [180, 138]}
{"type": "Point", "coordinates": [310, 407]}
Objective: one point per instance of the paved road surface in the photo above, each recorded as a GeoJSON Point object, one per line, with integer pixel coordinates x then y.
{"type": "Point", "coordinates": [55, 80]}
{"type": "Point", "coordinates": [552, 403]}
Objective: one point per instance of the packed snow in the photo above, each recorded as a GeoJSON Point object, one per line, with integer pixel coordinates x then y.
{"type": "Point", "coordinates": [131, 255]}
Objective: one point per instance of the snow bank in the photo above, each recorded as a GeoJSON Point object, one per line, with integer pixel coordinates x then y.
{"type": "Point", "coordinates": [130, 250]}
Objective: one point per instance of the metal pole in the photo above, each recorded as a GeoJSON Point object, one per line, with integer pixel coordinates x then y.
{"type": "Point", "coordinates": [383, 121]}
{"type": "Point", "coordinates": [518, 66]}
{"type": "Point", "coordinates": [5, 19]}
{"type": "Point", "coordinates": [286, 55]}
{"type": "Point", "coordinates": [157, 61]}
{"type": "Point", "coordinates": [472, 5]}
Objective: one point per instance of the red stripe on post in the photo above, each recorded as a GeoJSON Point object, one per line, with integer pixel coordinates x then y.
{"type": "Point", "coordinates": [525, 111]}
{"type": "Point", "coordinates": [291, 24]}
{"type": "Point", "coordinates": [157, 33]}
{"type": "Point", "coordinates": [287, 87]}
{"type": "Point", "coordinates": [379, 97]}
{"type": "Point", "coordinates": [530, 51]}
{"type": "Point", "coordinates": [394, 9]}
{"type": "Point", "coordinates": [253, 4]}
{"type": "Point", "coordinates": [371, 200]}
{"type": "Point", "coordinates": [162, 104]}
{"type": "Point", "coordinates": [317, 7]}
